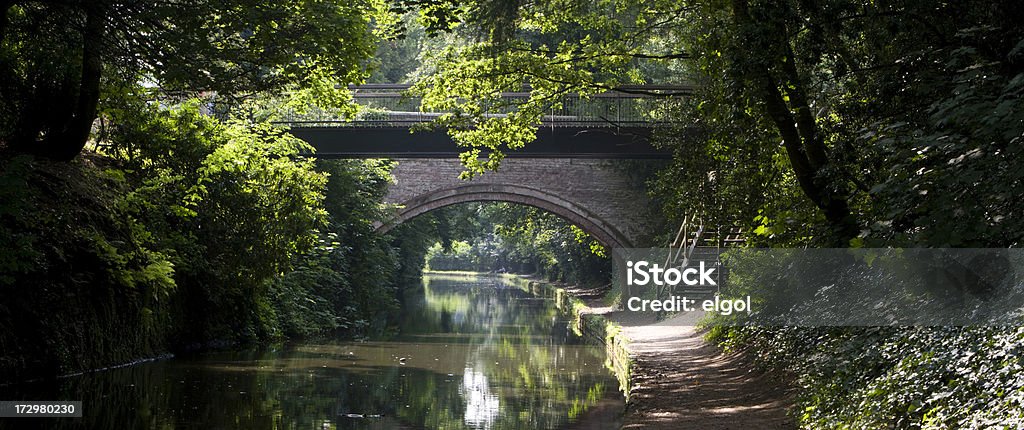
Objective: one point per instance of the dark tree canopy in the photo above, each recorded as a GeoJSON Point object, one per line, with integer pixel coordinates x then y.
{"type": "Point", "coordinates": [57, 56]}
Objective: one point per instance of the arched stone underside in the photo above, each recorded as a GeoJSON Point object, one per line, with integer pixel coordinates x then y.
{"type": "Point", "coordinates": [604, 232]}
{"type": "Point", "coordinates": [606, 198]}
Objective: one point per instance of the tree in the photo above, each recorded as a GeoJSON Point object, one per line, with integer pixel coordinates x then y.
{"type": "Point", "coordinates": [56, 56]}
{"type": "Point", "coordinates": [815, 76]}
{"type": "Point", "coordinates": [559, 48]}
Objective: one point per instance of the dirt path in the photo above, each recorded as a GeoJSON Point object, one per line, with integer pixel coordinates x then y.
{"type": "Point", "coordinates": [682, 382]}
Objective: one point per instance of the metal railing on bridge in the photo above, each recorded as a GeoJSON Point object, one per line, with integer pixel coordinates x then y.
{"type": "Point", "coordinates": [391, 105]}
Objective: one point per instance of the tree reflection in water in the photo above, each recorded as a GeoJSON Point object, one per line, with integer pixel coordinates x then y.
{"type": "Point", "coordinates": [473, 353]}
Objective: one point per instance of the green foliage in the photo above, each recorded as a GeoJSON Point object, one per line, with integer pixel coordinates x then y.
{"type": "Point", "coordinates": [517, 238]}
{"type": "Point", "coordinates": [482, 255]}
{"type": "Point", "coordinates": [18, 255]}
{"type": "Point", "coordinates": [946, 174]}
{"type": "Point", "coordinates": [229, 201]}
{"type": "Point", "coordinates": [82, 284]}
{"type": "Point", "coordinates": [889, 113]}
{"type": "Point", "coordinates": [871, 377]}
{"type": "Point", "coordinates": [57, 58]}
{"type": "Point", "coordinates": [939, 377]}
{"type": "Point", "coordinates": [193, 231]}
{"type": "Point", "coordinates": [348, 281]}
{"type": "Point", "coordinates": [312, 299]}
{"type": "Point", "coordinates": [398, 58]}
{"type": "Point", "coordinates": [412, 240]}
{"type": "Point", "coordinates": [918, 107]}
{"type": "Point", "coordinates": [554, 48]}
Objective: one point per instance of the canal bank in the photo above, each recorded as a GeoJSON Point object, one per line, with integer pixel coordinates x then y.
{"type": "Point", "coordinates": [670, 376]}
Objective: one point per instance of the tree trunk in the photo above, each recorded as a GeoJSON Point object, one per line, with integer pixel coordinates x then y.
{"type": "Point", "coordinates": [68, 142]}
{"type": "Point", "coordinates": [804, 147]}
{"type": "Point", "coordinates": [57, 119]}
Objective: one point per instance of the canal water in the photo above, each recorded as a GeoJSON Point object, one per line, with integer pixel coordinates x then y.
{"type": "Point", "coordinates": [470, 353]}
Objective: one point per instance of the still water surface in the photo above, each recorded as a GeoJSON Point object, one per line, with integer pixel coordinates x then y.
{"type": "Point", "coordinates": [473, 353]}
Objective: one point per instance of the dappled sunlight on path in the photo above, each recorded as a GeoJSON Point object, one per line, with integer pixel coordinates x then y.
{"type": "Point", "coordinates": [681, 381]}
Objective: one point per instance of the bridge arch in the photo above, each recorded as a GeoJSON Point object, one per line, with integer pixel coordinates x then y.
{"type": "Point", "coordinates": [601, 230]}
{"type": "Point", "coordinates": [589, 163]}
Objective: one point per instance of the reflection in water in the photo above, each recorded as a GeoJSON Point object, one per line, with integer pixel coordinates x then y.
{"type": "Point", "coordinates": [471, 353]}
{"type": "Point", "coordinates": [482, 407]}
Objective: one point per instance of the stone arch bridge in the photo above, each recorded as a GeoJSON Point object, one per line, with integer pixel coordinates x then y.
{"type": "Point", "coordinates": [589, 169]}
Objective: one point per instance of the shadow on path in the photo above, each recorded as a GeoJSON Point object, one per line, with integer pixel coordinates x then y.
{"type": "Point", "coordinates": [682, 382]}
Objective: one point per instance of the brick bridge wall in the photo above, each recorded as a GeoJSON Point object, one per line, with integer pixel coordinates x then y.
{"type": "Point", "coordinates": [607, 198]}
